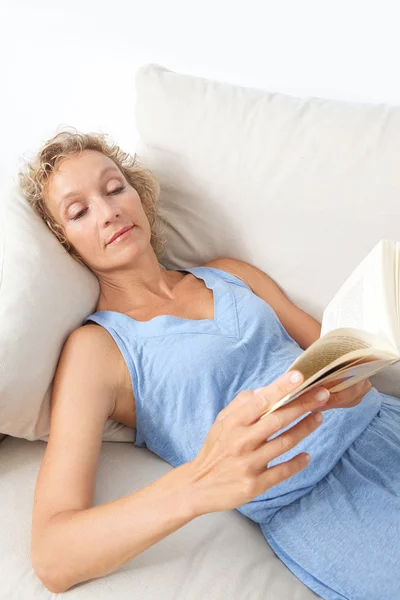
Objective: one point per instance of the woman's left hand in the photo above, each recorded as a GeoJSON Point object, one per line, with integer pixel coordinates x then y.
{"type": "Point", "coordinates": [347, 398]}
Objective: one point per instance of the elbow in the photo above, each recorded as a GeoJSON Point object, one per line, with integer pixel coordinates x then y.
{"type": "Point", "coordinates": [49, 557]}
{"type": "Point", "coordinates": [54, 587]}
{"type": "Point", "coordinates": [50, 582]}
{"type": "Point", "coordinates": [50, 577]}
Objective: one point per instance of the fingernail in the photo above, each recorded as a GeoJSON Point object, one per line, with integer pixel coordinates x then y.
{"type": "Point", "coordinates": [294, 377]}
{"type": "Point", "coordinates": [319, 417]}
{"type": "Point", "coordinates": [322, 395]}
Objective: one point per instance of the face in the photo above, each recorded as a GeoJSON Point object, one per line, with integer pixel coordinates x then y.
{"type": "Point", "coordinates": [89, 196]}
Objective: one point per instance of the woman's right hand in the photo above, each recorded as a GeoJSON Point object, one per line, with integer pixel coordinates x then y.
{"type": "Point", "coordinates": [232, 465]}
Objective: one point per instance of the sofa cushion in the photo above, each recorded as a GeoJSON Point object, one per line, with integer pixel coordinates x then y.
{"type": "Point", "coordinates": [214, 557]}
{"type": "Point", "coordinates": [301, 188]}
{"type": "Point", "coordinates": [44, 295]}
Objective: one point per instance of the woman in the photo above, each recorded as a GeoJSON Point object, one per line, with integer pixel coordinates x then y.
{"type": "Point", "coordinates": [180, 357]}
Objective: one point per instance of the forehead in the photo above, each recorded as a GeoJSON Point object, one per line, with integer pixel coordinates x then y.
{"type": "Point", "coordinates": [77, 173]}
{"type": "Point", "coordinates": [79, 169]}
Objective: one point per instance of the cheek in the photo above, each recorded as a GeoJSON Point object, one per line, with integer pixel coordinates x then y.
{"type": "Point", "coordinates": [137, 209]}
{"type": "Point", "coordinates": [136, 201]}
{"type": "Point", "coordinates": [83, 236]}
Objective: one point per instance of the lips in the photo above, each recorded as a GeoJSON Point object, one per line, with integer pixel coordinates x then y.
{"type": "Point", "coordinates": [118, 233]}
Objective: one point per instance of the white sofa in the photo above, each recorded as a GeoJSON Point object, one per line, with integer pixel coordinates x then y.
{"type": "Point", "coordinates": [301, 188]}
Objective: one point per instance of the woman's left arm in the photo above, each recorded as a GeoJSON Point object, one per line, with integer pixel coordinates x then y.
{"type": "Point", "coordinates": [301, 326]}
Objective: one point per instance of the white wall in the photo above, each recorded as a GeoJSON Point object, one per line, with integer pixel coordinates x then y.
{"type": "Point", "coordinates": [73, 62]}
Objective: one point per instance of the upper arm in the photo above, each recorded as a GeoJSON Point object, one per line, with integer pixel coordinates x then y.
{"type": "Point", "coordinates": [301, 326]}
{"type": "Point", "coordinates": [83, 395]}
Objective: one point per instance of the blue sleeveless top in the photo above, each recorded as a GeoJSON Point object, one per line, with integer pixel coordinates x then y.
{"type": "Point", "coordinates": [185, 371]}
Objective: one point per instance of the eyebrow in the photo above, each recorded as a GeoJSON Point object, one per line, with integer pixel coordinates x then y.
{"type": "Point", "coordinates": [72, 194]}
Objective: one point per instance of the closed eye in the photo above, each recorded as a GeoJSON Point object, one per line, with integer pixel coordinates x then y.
{"type": "Point", "coordinates": [79, 214]}
{"type": "Point", "coordinates": [82, 212]}
{"type": "Point", "coordinates": [118, 190]}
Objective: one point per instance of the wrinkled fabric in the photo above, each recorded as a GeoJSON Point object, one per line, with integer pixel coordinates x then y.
{"type": "Point", "coordinates": [343, 538]}
{"type": "Point", "coordinates": [184, 372]}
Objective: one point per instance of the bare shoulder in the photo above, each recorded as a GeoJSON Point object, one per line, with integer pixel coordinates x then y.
{"type": "Point", "coordinates": [95, 347]}
{"type": "Point", "coordinates": [91, 332]}
{"type": "Point", "coordinates": [97, 340]}
{"type": "Point", "coordinates": [234, 266]}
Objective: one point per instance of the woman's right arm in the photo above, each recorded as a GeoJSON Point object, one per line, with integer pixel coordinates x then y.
{"type": "Point", "coordinates": [72, 541]}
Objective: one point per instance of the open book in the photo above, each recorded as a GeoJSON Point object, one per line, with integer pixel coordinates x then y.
{"type": "Point", "coordinates": [360, 330]}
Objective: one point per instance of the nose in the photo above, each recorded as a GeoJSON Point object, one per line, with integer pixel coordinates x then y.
{"type": "Point", "coordinates": [108, 210]}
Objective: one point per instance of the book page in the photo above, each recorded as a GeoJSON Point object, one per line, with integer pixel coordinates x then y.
{"type": "Point", "coordinates": [326, 376]}
{"type": "Point", "coordinates": [352, 373]}
{"type": "Point", "coordinates": [334, 351]}
{"type": "Point", "coordinates": [364, 299]}
{"type": "Point", "coordinates": [345, 313]}
{"type": "Point", "coordinates": [397, 296]}
{"type": "Point", "coordinates": [335, 345]}
{"type": "Point", "coordinates": [342, 379]}
{"type": "Point", "coordinates": [390, 291]}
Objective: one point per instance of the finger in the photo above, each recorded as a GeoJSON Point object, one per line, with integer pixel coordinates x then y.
{"type": "Point", "coordinates": [360, 389]}
{"type": "Point", "coordinates": [354, 387]}
{"type": "Point", "coordinates": [283, 416]}
{"type": "Point", "coordinates": [286, 440]}
{"type": "Point", "coordinates": [351, 395]}
{"type": "Point", "coordinates": [276, 474]}
{"type": "Point", "coordinates": [342, 403]}
{"type": "Point", "coordinates": [259, 400]}
{"type": "Point", "coordinates": [240, 399]}
{"type": "Point", "coordinates": [279, 388]}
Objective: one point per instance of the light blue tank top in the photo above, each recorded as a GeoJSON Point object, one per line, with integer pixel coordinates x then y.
{"type": "Point", "coordinates": [185, 371]}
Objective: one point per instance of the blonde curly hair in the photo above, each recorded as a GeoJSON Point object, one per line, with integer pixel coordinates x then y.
{"type": "Point", "coordinates": [66, 143]}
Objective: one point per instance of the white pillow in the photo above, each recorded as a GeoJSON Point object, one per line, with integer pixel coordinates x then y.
{"type": "Point", "coordinates": [44, 295]}
{"type": "Point", "coordinates": [301, 188]}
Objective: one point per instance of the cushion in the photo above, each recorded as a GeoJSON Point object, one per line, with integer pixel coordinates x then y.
{"type": "Point", "coordinates": [301, 188]}
{"type": "Point", "coordinates": [214, 557]}
{"type": "Point", "coordinates": [44, 295]}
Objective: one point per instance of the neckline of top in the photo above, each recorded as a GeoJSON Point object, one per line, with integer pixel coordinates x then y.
{"type": "Point", "coordinates": [203, 275]}
{"type": "Point", "coordinates": [225, 314]}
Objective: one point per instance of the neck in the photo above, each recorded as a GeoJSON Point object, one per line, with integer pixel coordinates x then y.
{"type": "Point", "coordinates": [144, 284]}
